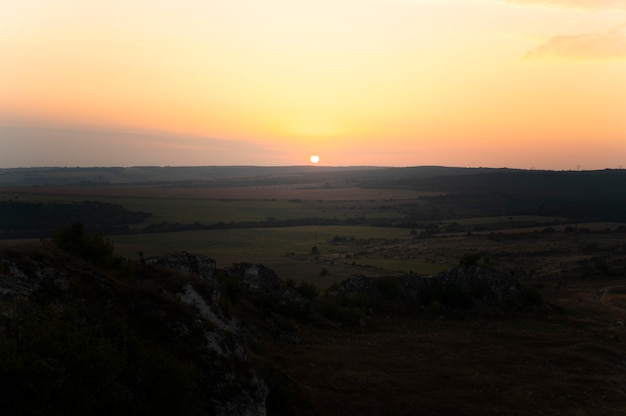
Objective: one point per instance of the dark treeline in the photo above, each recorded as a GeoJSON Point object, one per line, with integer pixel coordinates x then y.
{"type": "Point", "coordinates": [37, 219]}
{"type": "Point", "coordinates": [171, 227]}
{"type": "Point", "coordinates": [598, 182]}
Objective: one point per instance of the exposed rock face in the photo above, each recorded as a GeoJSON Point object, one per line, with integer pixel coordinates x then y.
{"type": "Point", "coordinates": [461, 287]}
{"type": "Point", "coordinates": [225, 341]}
{"type": "Point", "coordinates": [208, 308]}
{"type": "Point", "coordinates": [487, 287]}
{"type": "Point", "coordinates": [257, 278]}
{"type": "Point", "coordinates": [191, 264]}
{"type": "Point", "coordinates": [273, 294]}
{"type": "Point", "coordinates": [202, 335]}
{"type": "Point", "coordinates": [21, 278]}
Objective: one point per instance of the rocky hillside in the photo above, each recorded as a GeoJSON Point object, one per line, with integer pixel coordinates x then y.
{"type": "Point", "coordinates": [83, 331]}
{"type": "Point", "coordinates": [75, 339]}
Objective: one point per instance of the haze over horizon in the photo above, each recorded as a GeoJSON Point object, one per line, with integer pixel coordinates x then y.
{"type": "Point", "coordinates": [493, 83]}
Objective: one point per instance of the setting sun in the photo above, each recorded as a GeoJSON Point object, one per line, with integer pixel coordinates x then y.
{"type": "Point", "coordinates": [314, 158]}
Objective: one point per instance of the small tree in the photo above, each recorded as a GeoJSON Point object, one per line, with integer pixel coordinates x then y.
{"type": "Point", "coordinates": [91, 247]}
{"type": "Point", "coordinates": [469, 259]}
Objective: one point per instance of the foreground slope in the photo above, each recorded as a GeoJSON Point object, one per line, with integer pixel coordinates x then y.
{"type": "Point", "coordinates": [90, 333]}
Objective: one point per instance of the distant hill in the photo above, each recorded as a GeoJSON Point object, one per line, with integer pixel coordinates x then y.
{"type": "Point", "coordinates": [437, 178]}
{"type": "Point", "coordinates": [56, 176]}
{"type": "Point", "coordinates": [465, 192]}
{"type": "Point", "coordinates": [234, 175]}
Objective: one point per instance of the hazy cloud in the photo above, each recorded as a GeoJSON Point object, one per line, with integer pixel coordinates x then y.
{"type": "Point", "coordinates": [581, 4]}
{"type": "Point", "coordinates": [27, 147]}
{"type": "Point", "coordinates": [595, 45]}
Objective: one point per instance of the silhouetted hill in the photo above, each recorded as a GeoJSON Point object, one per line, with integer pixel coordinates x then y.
{"type": "Point", "coordinates": [55, 176]}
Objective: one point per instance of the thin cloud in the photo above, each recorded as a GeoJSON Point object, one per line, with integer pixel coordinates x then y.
{"type": "Point", "coordinates": [579, 4]}
{"type": "Point", "coordinates": [610, 44]}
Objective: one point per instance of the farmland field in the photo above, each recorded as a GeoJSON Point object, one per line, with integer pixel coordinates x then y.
{"type": "Point", "coordinates": [321, 232]}
{"type": "Point", "coordinates": [325, 228]}
{"type": "Point", "coordinates": [288, 250]}
{"type": "Point", "coordinates": [213, 205]}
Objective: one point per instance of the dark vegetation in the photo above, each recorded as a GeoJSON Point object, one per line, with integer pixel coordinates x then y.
{"type": "Point", "coordinates": [112, 337]}
{"type": "Point", "coordinates": [19, 219]}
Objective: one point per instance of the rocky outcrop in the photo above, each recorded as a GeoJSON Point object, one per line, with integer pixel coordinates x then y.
{"type": "Point", "coordinates": [258, 278]}
{"type": "Point", "coordinates": [458, 288]}
{"type": "Point", "coordinates": [181, 316]}
{"type": "Point", "coordinates": [190, 264]}
{"type": "Point", "coordinates": [488, 288]}
{"type": "Point", "coordinates": [21, 277]}
{"type": "Point", "coordinates": [208, 303]}
{"type": "Point", "coordinates": [225, 340]}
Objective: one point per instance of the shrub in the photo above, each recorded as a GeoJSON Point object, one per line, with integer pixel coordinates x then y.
{"type": "Point", "coordinates": [333, 309]}
{"type": "Point", "coordinates": [307, 290]}
{"type": "Point", "coordinates": [93, 248]}
{"type": "Point", "coordinates": [469, 259]}
{"type": "Point", "coordinates": [389, 287]}
{"type": "Point", "coordinates": [449, 295]}
{"type": "Point", "coordinates": [453, 296]}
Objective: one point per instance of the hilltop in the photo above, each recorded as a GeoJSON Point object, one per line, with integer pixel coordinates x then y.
{"type": "Point", "coordinates": [86, 331]}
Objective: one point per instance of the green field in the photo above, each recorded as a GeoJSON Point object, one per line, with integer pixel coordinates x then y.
{"type": "Point", "coordinates": [286, 250]}
{"type": "Point", "coordinates": [212, 211]}
{"type": "Point", "coordinates": [506, 219]}
{"type": "Point", "coordinates": [250, 245]}
{"type": "Point", "coordinates": [342, 251]}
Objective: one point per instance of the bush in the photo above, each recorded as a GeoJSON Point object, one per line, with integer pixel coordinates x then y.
{"type": "Point", "coordinates": [93, 248]}
{"type": "Point", "coordinates": [307, 290]}
{"type": "Point", "coordinates": [389, 287]}
{"type": "Point", "coordinates": [449, 295]}
{"type": "Point", "coordinates": [333, 309]}
{"type": "Point", "coordinates": [235, 288]}
{"type": "Point", "coordinates": [469, 259]}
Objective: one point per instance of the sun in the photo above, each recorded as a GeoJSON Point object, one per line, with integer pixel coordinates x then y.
{"type": "Point", "coordinates": [314, 158]}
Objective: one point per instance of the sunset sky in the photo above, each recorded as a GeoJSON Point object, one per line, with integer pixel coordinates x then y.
{"type": "Point", "coordinates": [498, 83]}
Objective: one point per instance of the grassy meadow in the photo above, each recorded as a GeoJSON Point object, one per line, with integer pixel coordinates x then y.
{"type": "Point", "coordinates": [256, 204]}
{"type": "Point", "coordinates": [387, 226]}
{"type": "Point", "coordinates": [342, 250]}
{"type": "Point", "coordinates": [287, 250]}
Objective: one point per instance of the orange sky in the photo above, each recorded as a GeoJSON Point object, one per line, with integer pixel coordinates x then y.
{"type": "Point", "coordinates": [516, 83]}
